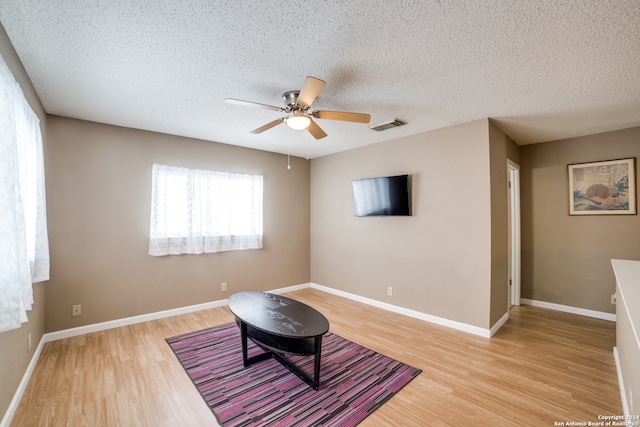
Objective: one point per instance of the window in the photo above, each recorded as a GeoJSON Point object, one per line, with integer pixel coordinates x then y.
{"type": "Point", "coordinates": [196, 211]}
{"type": "Point", "coordinates": [24, 247]}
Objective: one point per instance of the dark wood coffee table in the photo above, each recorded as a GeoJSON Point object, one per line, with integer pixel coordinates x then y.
{"type": "Point", "coordinates": [280, 325]}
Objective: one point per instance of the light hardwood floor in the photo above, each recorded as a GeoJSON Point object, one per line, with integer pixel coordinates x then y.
{"type": "Point", "coordinates": [541, 367]}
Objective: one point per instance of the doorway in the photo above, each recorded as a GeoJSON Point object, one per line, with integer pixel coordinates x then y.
{"type": "Point", "coordinates": [513, 204]}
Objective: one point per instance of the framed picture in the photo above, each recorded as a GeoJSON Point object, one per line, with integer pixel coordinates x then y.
{"type": "Point", "coordinates": [603, 188]}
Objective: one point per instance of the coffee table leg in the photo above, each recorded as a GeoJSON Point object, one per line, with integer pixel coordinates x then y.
{"type": "Point", "coordinates": [317, 353]}
{"type": "Point", "coordinates": [316, 362]}
{"type": "Point", "coordinates": [243, 337]}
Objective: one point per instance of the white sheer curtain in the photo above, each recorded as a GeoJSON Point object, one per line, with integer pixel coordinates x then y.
{"type": "Point", "coordinates": [24, 246]}
{"type": "Point", "coordinates": [196, 211]}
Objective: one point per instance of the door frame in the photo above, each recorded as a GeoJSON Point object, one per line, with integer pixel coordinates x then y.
{"type": "Point", "coordinates": [514, 249]}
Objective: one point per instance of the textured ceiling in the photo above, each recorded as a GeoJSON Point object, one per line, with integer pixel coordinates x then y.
{"type": "Point", "coordinates": [544, 70]}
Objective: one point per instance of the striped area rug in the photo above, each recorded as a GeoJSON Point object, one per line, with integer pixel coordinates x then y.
{"type": "Point", "coordinates": [354, 381]}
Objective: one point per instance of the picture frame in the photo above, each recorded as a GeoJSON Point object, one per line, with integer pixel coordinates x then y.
{"type": "Point", "coordinates": [605, 187]}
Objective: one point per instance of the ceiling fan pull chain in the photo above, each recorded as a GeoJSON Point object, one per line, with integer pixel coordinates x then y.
{"type": "Point", "coordinates": [289, 149]}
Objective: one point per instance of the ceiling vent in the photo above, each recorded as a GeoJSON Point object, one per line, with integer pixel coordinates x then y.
{"type": "Point", "coordinates": [392, 124]}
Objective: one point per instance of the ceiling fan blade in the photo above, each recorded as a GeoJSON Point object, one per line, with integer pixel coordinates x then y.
{"type": "Point", "coordinates": [310, 90]}
{"type": "Point", "coordinates": [268, 126]}
{"type": "Point", "coordinates": [252, 104]}
{"type": "Point", "coordinates": [315, 130]}
{"type": "Point", "coordinates": [342, 115]}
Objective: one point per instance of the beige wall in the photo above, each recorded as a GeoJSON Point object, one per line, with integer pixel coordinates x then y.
{"type": "Point", "coordinates": [567, 259]}
{"type": "Point", "coordinates": [14, 356]}
{"type": "Point", "coordinates": [99, 183]}
{"type": "Point", "coordinates": [438, 260]}
{"type": "Point", "coordinates": [502, 148]}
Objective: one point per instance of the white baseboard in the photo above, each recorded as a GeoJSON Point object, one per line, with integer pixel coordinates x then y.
{"type": "Point", "coordinates": [290, 288]}
{"type": "Point", "coordinates": [80, 330]}
{"type": "Point", "coordinates": [13, 405]}
{"type": "Point", "coordinates": [569, 309]}
{"type": "Point", "coordinates": [67, 333]}
{"type": "Point", "coordinates": [499, 324]}
{"type": "Point", "coordinates": [407, 312]}
{"type": "Point", "coordinates": [623, 393]}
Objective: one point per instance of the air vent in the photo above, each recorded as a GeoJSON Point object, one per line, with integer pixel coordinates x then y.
{"type": "Point", "coordinates": [384, 126]}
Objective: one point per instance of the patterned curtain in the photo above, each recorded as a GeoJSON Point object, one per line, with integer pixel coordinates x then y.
{"type": "Point", "coordinates": [196, 211]}
{"type": "Point", "coordinates": [24, 246]}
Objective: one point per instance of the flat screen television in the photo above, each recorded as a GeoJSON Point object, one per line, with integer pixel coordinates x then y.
{"type": "Point", "coordinates": [384, 196]}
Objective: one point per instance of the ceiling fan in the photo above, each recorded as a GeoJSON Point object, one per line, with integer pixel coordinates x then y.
{"type": "Point", "coordinates": [297, 104]}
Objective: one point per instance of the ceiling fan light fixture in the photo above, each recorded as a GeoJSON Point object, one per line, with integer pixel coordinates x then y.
{"type": "Point", "coordinates": [298, 121]}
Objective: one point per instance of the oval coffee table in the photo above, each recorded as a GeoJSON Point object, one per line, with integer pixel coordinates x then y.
{"type": "Point", "coordinates": [280, 325]}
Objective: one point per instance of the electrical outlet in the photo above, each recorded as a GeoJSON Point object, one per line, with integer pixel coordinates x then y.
{"type": "Point", "coordinates": [29, 343]}
{"type": "Point", "coordinates": [613, 298]}
{"type": "Point", "coordinates": [223, 286]}
{"type": "Point", "coordinates": [76, 310]}
{"type": "Point", "coordinates": [389, 291]}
